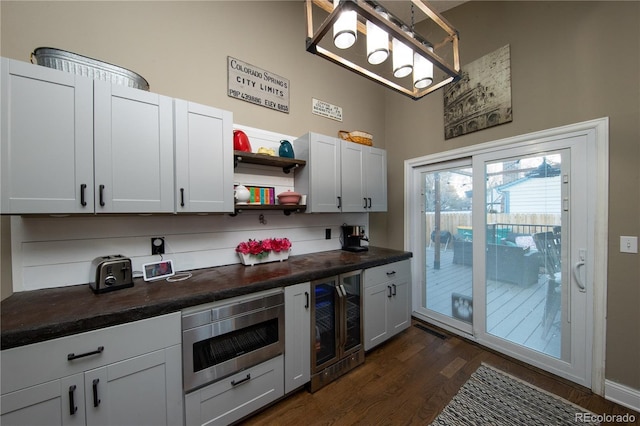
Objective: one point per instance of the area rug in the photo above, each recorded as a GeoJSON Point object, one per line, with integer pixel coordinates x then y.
{"type": "Point", "coordinates": [492, 397]}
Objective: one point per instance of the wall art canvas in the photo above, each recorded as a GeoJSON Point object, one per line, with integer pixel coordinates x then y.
{"type": "Point", "coordinates": [482, 97]}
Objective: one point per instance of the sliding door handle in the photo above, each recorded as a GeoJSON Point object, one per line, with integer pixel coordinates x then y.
{"type": "Point", "coordinates": [578, 278]}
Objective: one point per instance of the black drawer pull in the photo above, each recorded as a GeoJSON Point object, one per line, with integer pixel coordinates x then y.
{"type": "Point", "coordinates": [96, 400]}
{"type": "Point", "coordinates": [389, 294]}
{"type": "Point", "coordinates": [393, 286]}
{"type": "Point", "coordinates": [83, 202]}
{"type": "Point", "coordinates": [391, 273]}
{"type": "Point", "coordinates": [101, 191]}
{"type": "Point", "coordinates": [241, 381]}
{"type": "Point", "coordinates": [73, 356]}
{"type": "Point", "coordinates": [306, 295]}
{"type": "Point", "coordinates": [72, 404]}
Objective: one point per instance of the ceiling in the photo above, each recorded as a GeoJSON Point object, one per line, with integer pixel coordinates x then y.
{"type": "Point", "coordinates": [402, 8]}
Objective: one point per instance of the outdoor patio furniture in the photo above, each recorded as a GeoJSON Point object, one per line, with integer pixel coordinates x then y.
{"type": "Point", "coordinates": [548, 244]}
{"type": "Point", "coordinates": [512, 264]}
{"type": "Point", "coordinates": [445, 238]}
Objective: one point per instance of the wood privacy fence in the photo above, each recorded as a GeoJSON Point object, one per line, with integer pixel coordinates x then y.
{"type": "Point", "coordinates": [449, 221]}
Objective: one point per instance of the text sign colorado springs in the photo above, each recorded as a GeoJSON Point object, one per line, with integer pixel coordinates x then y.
{"type": "Point", "coordinates": [255, 85]}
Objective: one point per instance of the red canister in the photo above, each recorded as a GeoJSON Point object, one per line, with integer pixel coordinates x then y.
{"type": "Point", "coordinates": [241, 141]}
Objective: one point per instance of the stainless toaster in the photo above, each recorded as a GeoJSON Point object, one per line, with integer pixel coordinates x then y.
{"type": "Point", "coordinates": [111, 273]}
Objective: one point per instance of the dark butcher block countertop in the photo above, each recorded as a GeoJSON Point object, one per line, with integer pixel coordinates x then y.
{"type": "Point", "coordinates": [34, 316]}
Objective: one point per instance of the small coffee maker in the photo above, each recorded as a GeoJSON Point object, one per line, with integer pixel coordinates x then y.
{"type": "Point", "coordinates": [352, 235]}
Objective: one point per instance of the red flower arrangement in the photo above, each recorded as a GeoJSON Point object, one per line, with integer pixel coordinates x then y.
{"type": "Point", "coordinates": [261, 248]}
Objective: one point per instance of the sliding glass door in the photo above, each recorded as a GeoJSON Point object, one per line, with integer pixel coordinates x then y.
{"type": "Point", "coordinates": [447, 195]}
{"type": "Point", "coordinates": [506, 246]}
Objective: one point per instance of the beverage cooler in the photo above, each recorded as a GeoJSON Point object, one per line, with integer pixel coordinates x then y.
{"type": "Point", "coordinates": [336, 327]}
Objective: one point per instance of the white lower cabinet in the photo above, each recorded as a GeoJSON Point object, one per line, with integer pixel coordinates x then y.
{"type": "Point", "coordinates": [387, 302]}
{"type": "Point", "coordinates": [297, 341]}
{"type": "Point", "coordinates": [236, 396]}
{"type": "Point", "coordinates": [143, 389]}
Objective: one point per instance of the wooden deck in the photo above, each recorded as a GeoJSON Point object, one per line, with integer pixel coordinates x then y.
{"type": "Point", "coordinates": [514, 313]}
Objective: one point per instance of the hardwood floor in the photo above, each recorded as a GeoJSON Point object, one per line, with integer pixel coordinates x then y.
{"type": "Point", "coordinates": [408, 381]}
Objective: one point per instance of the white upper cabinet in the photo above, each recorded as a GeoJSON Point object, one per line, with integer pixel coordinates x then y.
{"type": "Point", "coordinates": [352, 171]}
{"type": "Point", "coordinates": [320, 179]}
{"type": "Point", "coordinates": [133, 139]}
{"type": "Point", "coordinates": [47, 140]}
{"type": "Point", "coordinates": [375, 162]}
{"type": "Point", "coordinates": [341, 176]}
{"type": "Point", "coordinates": [364, 178]}
{"type": "Point", "coordinates": [203, 158]}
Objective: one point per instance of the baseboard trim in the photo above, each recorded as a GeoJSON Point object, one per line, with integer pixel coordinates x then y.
{"type": "Point", "coordinates": [623, 395]}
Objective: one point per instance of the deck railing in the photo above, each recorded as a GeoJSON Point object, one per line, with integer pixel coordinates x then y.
{"type": "Point", "coordinates": [519, 223]}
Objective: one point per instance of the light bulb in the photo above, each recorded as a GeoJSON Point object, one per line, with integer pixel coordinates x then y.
{"type": "Point", "coordinates": [422, 70]}
{"type": "Point", "coordinates": [377, 44]}
{"type": "Point", "coordinates": [345, 28]}
{"type": "Point", "coordinates": [402, 59]}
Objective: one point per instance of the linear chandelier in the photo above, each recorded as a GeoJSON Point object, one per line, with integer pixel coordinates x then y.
{"type": "Point", "coordinates": [392, 53]}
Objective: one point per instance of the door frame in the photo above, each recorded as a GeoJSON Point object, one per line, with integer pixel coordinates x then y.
{"type": "Point", "coordinates": [598, 131]}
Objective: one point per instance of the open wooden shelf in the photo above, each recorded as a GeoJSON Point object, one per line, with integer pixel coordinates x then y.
{"type": "Point", "coordinates": [286, 208]}
{"type": "Point", "coordinates": [287, 164]}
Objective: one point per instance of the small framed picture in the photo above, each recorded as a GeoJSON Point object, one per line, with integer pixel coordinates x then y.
{"type": "Point", "coordinates": [154, 271]}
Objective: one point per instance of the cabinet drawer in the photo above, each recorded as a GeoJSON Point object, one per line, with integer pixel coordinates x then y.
{"type": "Point", "coordinates": [44, 361]}
{"type": "Point", "coordinates": [223, 402]}
{"type": "Point", "coordinates": [383, 273]}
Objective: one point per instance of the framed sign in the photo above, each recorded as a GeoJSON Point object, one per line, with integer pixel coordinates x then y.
{"type": "Point", "coordinates": [252, 84]}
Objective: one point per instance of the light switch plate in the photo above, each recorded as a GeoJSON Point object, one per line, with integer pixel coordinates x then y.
{"type": "Point", "coordinates": [628, 244]}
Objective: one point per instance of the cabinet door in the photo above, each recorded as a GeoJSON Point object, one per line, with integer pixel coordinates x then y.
{"type": "Point", "coordinates": [59, 402]}
{"type": "Point", "coordinates": [375, 314]}
{"type": "Point", "coordinates": [133, 392]}
{"type": "Point", "coordinates": [376, 179]}
{"type": "Point", "coordinates": [399, 308]}
{"type": "Point", "coordinates": [47, 140]}
{"type": "Point", "coordinates": [133, 150]}
{"type": "Point", "coordinates": [297, 349]}
{"type": "Point", "coordinates": [324, 191]}
{"type": "Point", "coordinates": [354, 198]}
{"type": "Point", "coordinates": [204, 158]}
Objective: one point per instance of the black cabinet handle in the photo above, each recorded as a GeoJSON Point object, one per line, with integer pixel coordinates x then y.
{"type": "Point", "coordinates": [96, 400]}
{"type": "Point", "coordinates": [389, 293]}
{"type": "Point", "coordinates": [391, 273]}
{"type": "Point", "coordinates": [181, 197]}
{"type": "Point", "coordinates": [393, 286]}
{"type": "Point", "coordinates": [101, 195]}
{"type": "Point", "coordinates": [83, 202]}
{"type": "Point", "coordinates": [339, 202]}
{"type": "Point", "coordinates": [306, 295]}
{"type": "Point", "coordinates": [365, 202]}
{"type": "Point", "coordinates": [72, 404]}
{"type": "Point", "coordinates": [73, 356]}
{"type": "Point", "coordinates": [239, 382]}
{"type": "Point", "coordinates": [369, 201]}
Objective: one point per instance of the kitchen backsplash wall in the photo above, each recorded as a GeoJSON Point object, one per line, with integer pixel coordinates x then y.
{"type": "Point", "coordinates": [55, 252]}
{"type": "Point", "coordinates": [58, 251]}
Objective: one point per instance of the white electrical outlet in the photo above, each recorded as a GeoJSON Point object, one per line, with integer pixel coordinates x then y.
{"type": "Point", "coordinates": [628, 244]}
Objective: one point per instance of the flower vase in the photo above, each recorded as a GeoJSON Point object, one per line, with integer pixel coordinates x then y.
{"type": "Point", "coordinates": [250, 260]}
